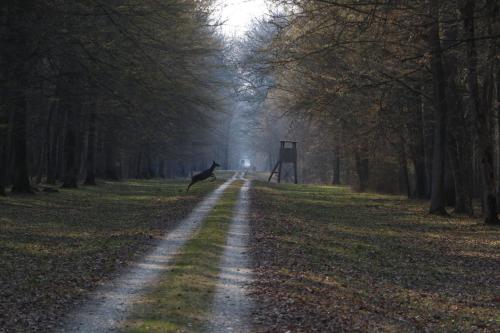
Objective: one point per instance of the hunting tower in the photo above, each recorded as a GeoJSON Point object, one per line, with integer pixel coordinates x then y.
{"type": "Point", "coordinates": [288, 154]}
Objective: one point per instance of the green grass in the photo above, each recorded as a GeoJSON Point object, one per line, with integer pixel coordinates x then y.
{"type": "Point", "coordinates": [337, 260]}
{"type": "Point", "coordinates": [181, 301]}
{"type": "Point", "coordinates": [55, 247]}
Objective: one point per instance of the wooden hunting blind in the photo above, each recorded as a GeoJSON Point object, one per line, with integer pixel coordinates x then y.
{"type": "Point", "coordinates": [288, 154]}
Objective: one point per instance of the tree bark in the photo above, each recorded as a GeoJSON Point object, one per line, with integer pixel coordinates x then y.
{"type": "Point", "coordinates": [71, 104]}
{"type": "Point", "coordinates": [21, 182]}
{"type": "Point", "coordinates": [336, 167]}
{"type": "Point", "coordinates": [110, 168]}
{"type": "Point", "coordinates": [463, 201]}
{"type": "Point", "coordinates": [17, 45]}
{"type": "Point", "coordinates": [59, 160]}
{"type": "Point", "coordinates": [138, 166]}
{"type": "Point", "coordinates": [404, 178]}
{"type": "Point", "coordinates": [70, 179]}
{"type": "Point", "coordinates": [3, 163]}
{"type": "Point", "coordinates": [91, 147]}
{"type": "Point", "coordinates": [363, 171]}
{"type": "Point", "coordinates": [427, 118]}
{"type": "Point", "coordinates": [481, 122]}
{"type": "Point", "coordinates": [458, 133]}
{"type": "Point", "coordinates": [498, 129]}
{"type": "Point", "coordinates": [53, 150]}
{"type": "Point", "coordinates": [3, 147]}
{"type": "Point", "coordinates": [49, 143]}
{"type": "Point", "coordinates": [418, 150]}
{"type": "Point", "coordinates": [149, 172]}
{"type": "Point", "coordinates": [438, 204]}
{"type": "Point", "coordinates": [161, 168]}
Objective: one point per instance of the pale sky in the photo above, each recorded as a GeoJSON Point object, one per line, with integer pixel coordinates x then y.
{"type": "Point", "coordinates": [238, 14]}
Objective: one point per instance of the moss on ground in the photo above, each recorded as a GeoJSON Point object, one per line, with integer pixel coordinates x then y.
{"type": "Point", "coordinates": [55, 247]}
{"type": "Point", "coordinates": [181, 300]}
{"type": "Point", "coordinates": [329, 259]}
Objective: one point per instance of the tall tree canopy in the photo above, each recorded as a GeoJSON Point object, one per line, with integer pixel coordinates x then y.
{"type": "Point", "coordinates": [113, 88]}
{"type": "Point", "coordinates": [405, 90]}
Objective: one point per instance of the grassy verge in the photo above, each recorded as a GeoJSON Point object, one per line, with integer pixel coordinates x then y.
{"type": "Point", "coordinates": [328, 259]}
{"type": "Point", "coordinates": [181, 301]}
{"type": "Point", "coordinates": [55, 247]}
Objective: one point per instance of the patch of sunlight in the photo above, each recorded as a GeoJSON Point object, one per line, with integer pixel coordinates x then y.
{"type": "Point", "coordinates": [473, 240]}
{"type": "Point", "coordinates": [33, 249]}
{"type": "Point", "coordinates": [145, 183]}
{"type": "Point", "coordinates": [15, 202]}
{"type": "Point", "coordinates": [329, 280]}
{"type": "Point", "coordinates": [132, 197]}
{"type": "Point", "coordinates": [477, 254]}
{"type": "Point", "coordinates": [368, 231]}
{"type": "Point", "coordinates": [43, 233]}
{"type": "Point", "coordinates": [167, 199]}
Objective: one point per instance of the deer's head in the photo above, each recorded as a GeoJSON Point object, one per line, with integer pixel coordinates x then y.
{"type": "Point", "coordinates": [215, 165]}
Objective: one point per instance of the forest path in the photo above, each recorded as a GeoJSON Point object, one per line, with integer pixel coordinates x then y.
{"type": "Point", "coordinates": [109, 305]}
{"type": "Point", "coordinates": [232, 306]}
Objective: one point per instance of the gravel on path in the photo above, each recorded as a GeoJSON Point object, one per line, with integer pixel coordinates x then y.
{"type": "Point", "coordinates": [108, 306]}
{"type": "Point", "coordinates": [232, 304]}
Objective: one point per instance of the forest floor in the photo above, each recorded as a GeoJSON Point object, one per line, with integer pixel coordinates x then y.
{"type": "Point", "coordinates": [324, 259]}
{"type": "Point", "coordinates": [327, 259]}
{"type": "Point", "coordinates": [57, 247]}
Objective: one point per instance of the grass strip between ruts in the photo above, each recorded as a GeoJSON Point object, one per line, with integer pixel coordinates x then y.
{"type": "Point", "coordinates": [181, 300]}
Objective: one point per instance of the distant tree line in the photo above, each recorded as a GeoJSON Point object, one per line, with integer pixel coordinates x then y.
{"type": "Point", "coordinates": [401, 94]}
{"type": "Point", "coordinates": [128, 88]}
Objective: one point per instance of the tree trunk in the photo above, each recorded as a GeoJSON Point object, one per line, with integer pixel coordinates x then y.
{"type": "Point", "coordinates": [336, 167]}
{"type": "Point", "coordinates": [40, 165]}
{"type": "Point", "coordinates": [71, 104]}
{"type": "Point", "coordinates": [138, 166]}
{"type": "Point", "coordinates": [420, 178]}
{"type": "Point", "coordinates": [49, 143]}
{"type": "Point", "coordinates": [70, 179]}
{"type": "Point", "coordinates": [60, 144]}
{"type": "Point", "coordinates": [53, 139]}
{"type": "Point", "coordinates": [427, 118]}
{"type": "Point", "coordinates": [3, 163]}
{"type": "Point", "coordinates": [363, 171]}
{"type": "Point", "coordinates": [150, 170]}
{"type": "Point", "coordinates": [418, 150]}
{"type": "Point", "coordinates": [463, 201]}
{"type": "Point", "coordinates": [498, 129]}
{"type": "Point", "coordinates": [481, 122]}
{"type": "Point", "coordinates": [404, 178]}
{"type": "Point", "coordinates": [91, 148]}
{"type": "Point", "coordinates": [161, 168]}
{"type": "Point", "coordinates": [17, 46]}
{"type": "Point", "coordinates": [21, 182]}
{"type": "Point", "coordinates": [438, 205]}
{"type": "Point", "coordinates": [110, 168]}
{"type": "Point", "coordinates": [458, 133]}
{"type": "Point", "coordinates": [3, 149]}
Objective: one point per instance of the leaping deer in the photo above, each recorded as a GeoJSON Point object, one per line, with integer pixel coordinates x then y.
{"type": "Point", "coordinates": [203, 175]}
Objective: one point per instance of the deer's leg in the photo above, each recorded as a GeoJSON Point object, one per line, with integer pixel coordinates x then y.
{"type": "Point", "coordinates": [213, 178]}
{"type": "Point", "coordinates": [190, 184]}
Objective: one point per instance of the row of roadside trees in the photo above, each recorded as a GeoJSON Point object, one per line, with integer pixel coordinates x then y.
{"type": "Point", "coordinates": [406, 90]}
{"type": "Point", "coordinates": [108, 88]}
